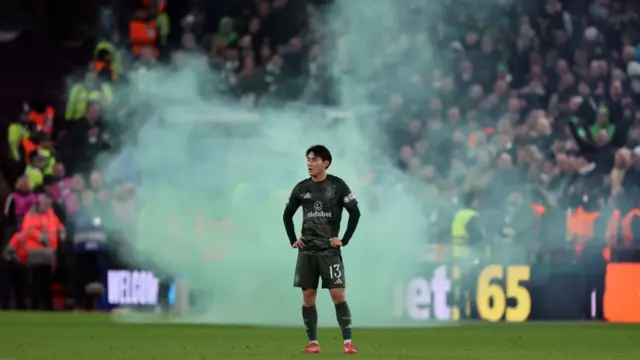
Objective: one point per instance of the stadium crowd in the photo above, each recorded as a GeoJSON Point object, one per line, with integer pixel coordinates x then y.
{"type": "Point", "coordinates": [526, 112]}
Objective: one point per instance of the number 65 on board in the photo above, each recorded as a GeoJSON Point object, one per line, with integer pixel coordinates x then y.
{"type": "Point", "coordinates": [497, 284]}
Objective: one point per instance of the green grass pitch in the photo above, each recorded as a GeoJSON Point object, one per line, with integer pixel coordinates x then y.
{"type": "Point", "coordinates": [67, 336]}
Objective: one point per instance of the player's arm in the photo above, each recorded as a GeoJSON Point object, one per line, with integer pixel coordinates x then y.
{"type": "Point", "coordinates": [289, 211]}
{"type": "Point", "coordinates": [350, 204]}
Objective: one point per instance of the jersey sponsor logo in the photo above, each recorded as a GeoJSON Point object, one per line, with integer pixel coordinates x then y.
{"type": "Point", "coordinates": [317, 211]}
{"type": "Point", "coordinates": [306, 196]}
{"type": "Point", "coordinates": [349, 198]}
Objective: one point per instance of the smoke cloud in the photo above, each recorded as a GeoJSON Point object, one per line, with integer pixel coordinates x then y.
{"type": "Point", "coordinates": [243, 274]}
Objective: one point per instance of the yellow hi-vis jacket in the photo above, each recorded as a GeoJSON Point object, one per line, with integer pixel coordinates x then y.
{"type": "Point", "coordinates": [79, 99]}
{"type": "Point", "coordinates": [459, 233]}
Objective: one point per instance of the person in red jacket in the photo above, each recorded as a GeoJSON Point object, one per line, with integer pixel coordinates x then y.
{"type": "Point", "coordinates": [35, 247]}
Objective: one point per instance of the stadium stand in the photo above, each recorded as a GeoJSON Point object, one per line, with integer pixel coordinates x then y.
{"type": "Point", "coordinates": [545, 99]}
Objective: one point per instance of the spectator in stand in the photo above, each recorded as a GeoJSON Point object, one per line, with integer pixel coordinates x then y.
{"type": "Point", "coordinates": [540, 104]}
{"type": "Point", "coordinates": [85, 141]}
{"type": "Point", "coordinates": [50, 187]}
{"type": "Point", "coordinates": [35, 246]}
{"type": "Point", "coordinates": [16, 206]}
{"type": "Point", "coordinates": [86, 92]}
{"type": "Point", "coordinates": [61, 179]}
{"type": "Point", "coordinates": [226, 34]}
{"type": "Point", "coordinates": [149, 29]}
{"type": "Point", "coordinates": [553, 106]}
{"type": "Point", "coordinates": [41, 117]}
{"type": "Point", "coordinates": [264, 54]}
{"type": "Point", "coordinates": [631, 178]}
{"type": "Point", "coordinates": [18, 132]}
{"type": "Point", "coordinates": [123, 204]}
{"type": "Point", "coordinates": [34, 170]}
{"type": "Point", "coordinates": [193, 22]}
{"type": "Point", "coordinates": [123, 210]}
{"type": "Point", "coordinates": [104, 68]}
{"type": "Point", "coordinates": [71, 195]}
{"type": "Point", "coordinates": [270, 80]}
{"type": "Point", "coordinates": [517, 232]}
{"type": "Point", "coordinates": [89, 245]}
{"type": "Point", "coordinates": [62, 191]}
{"type": "Point", "coordinates": [110, 45]}
{"type": "Point", "coordinates": [97, 186]}
{"type": "Point", "coordinates": [48, 150]}
{"type": "Point", "coordinates": [39, 142]}
{"type": "Point", "coordinates": [145, 60]}
{"type": "Point", "coordinates": [158, 11]}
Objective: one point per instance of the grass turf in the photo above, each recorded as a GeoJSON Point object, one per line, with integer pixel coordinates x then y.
{"type": "Point", "coordinates": [60, 336]}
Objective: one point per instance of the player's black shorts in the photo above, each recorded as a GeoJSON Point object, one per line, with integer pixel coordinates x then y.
{"type": "Point", "coordinates": [310, 268]}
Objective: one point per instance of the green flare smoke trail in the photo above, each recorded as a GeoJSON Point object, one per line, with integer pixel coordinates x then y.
{"type": "Point", "coordinates": [245, 275]}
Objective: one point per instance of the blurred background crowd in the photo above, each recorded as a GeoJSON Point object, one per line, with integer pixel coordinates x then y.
{"type": "Point", "coordinates": [526, 113]}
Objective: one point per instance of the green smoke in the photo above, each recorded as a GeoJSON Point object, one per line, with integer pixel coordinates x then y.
{"type": "Point", "coordinates": [244, 274]}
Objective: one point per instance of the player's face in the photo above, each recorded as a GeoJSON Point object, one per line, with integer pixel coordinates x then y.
{"type": "Point", "coordinates": [315, 165]}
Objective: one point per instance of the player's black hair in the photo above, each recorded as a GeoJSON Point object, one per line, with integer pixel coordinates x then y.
{"type": "Point", "coordinates": [321, 152]}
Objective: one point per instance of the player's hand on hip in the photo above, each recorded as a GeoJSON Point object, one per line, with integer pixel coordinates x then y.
{"type": "Point", "coordinates": [299, 244]}
{"type": "Point", "coordinates": [335, 242]}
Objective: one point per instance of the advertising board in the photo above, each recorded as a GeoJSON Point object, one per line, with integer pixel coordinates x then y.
{"type": "Point", "coordinates": [622, 293]}
{"type": "Point", "coordinates": [424, 297]}
{"type": "Point", "coordinates": [502, 293]}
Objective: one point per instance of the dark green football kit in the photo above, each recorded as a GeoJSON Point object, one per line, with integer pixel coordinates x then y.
{"type": "Point", "coordinates": [322, 204]}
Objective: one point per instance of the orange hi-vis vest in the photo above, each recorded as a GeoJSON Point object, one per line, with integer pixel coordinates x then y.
{"type": "Point", "coordinates": [43, 121]}
{"type": "Point", "coordinates": [611, 235]}
{"type": "Point", "coordinates": [162, 5]}
{"type": "Point", "coordinates": [28, 146]}
{"type": "Point", "coordinates": [100, 66]}
{"type": "Point", "coordinates": [617, 226]}
{"type": "Point", "coordinates": [472, 139]}
{"type": "Point", "coordinates": [539, 210]}
{"type": "Point", "coordinates": [143, 34]}
{"type": "Point", "coordinates": [627, 231]}
{"type": "Point", "coordinates": [37, 241]}
{"type": "Point", "coordinates": [580, 227]}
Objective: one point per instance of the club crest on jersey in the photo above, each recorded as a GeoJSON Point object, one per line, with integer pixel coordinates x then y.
{"type": "Point", "coordinates": [329, 193]}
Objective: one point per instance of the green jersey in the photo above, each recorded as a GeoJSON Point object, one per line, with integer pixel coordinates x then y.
{"type": "Point", "coordinates": [322, 204]}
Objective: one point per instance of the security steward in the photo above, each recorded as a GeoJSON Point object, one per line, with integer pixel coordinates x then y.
{"type": "Point", "coordinates": [18, 132]}
{"type": "Point", "coordinates": [467, 253]}
{"type": "Point", "coordinates": [34, 246]}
